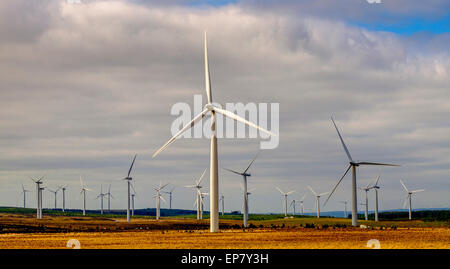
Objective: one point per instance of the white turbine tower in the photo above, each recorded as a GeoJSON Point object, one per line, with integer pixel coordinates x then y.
{"type": "Point", "coordinates": [159, 197]}
{"type": "Point", "coordinates": [198, 187]}
{"type": "Point", "coordinates": [353, 165]}
{"type": "Point", "coordinates": [345, 208]}
{"type": "Point", "coordinates": [41, 189]}
{"type": "Point", "coordinates": [63, 188]}
{"type": "Point", "coordinates": [366, 203]}
{"type": "Point", "coordinates": [376, 188]}
{"type": "Point", "coordinates": [38, 196]}
{"type": "Point", "coordinates": [133, 195]}
{"type": "Point", "coordinates": [408, 198]}
{"type": "Point", "coordinates": [24, 192]}
{"type": "Point", "coordinates": [128, 179]}
{"type": "Point", "coordinates": [83, 191]}
{"type": "Point", "coordinates": [101, 195]}
{"type": "Point", "coordinates": [211, 110]}
{"type": "Point", "coordinates": [109, 197]}
{"type": "Point", "coordinates": [317, 200]}
{"type": "Point", "coordinates": [244, 175]}
{"type": "Point", "coordinates": [292, 204]}
{"type": "Point", "coordinates": [302, 207]}
{"type": "Point", "coordinates": [170, 196]}
{"type": "Point", "coordinates": [222, 199]}
{"type": "Point", "coordinates": [285, 195]}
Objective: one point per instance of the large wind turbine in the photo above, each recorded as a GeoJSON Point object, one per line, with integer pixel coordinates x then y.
{"type": "Point", "coordinates": [353, 165]}
{"type": "Point", "coordinates": [170, 196]}
{"type": "Point", "coordinates": [128, 179]}
{"type": "Point", "coordinates": [244, 174]}
{"type": "Point", "coordinates": [408, 197]}
{"type": "Point", "coordinates": [158, 196]}
{"type": "Point", "coordinates": [285, 195]}
{"type": "Point", "coordinates": [101, 195]}
{"type": "Point", "coordinates": [38, 196]}
{"type": "Point", "coordinates": [24, 192]}
{"type": "Point", "coordinates": [211, 110]}
{"type": "Point", "coordinates": [317, 200]}
{"type": "Point", "coordinates": [198, 187]}
{"type": "Point", "coordinates": [83, 191]}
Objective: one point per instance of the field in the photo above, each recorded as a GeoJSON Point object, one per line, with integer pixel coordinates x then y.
{"type": "Point", "coordinates": [21, 231]}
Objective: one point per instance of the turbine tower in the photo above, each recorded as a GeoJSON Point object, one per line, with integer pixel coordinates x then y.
{"type": "Point", "coordinates": [24, 192]}
{"type": "Point", "coordinates": [244, 175]}
{"type": "Point", "coordinates": [285, 195]}
{"type": "Point", "coordinates": [158, 196]}
{"type": "Point", "coordinates": [222, 199]}
{"type": "Point", "coordinates": [40, 200]}
{"type": "Point", "coordinates": [376, 188]}
{"type": "Point", "coordinates": [128, 179]}
{"type": "Point", "coordinates": [353, 165]}
{"type": "Point", "coordinates": [302, 207]}
{"type": "Point", "coordinates": [63, 188]}
{"type": "Point", "coordinates": [109, 198]}
{"type": "Point", "coordinates": [345, 208]}
{"type": "Point", "coordinates": [408, 198]}
{"type": "Point", "coordinates": [292, 204]}
{"type": "Point", "coordinates": [211, 110]}
{"type": "Point", "coordinates": [317, 200]}
{"type": "Point", "coordinates": [55, 193]}
{"type": "Point", "coordinates": [101, 195]}
{"type": "Point", "coordinates": [198, 187]}
{"type": "Point", "coordinates": [83, 191]}
{"type": "Point", "coordinates": [170, 196]}
{"type": "Point", "coordinates": [38, 196]}
{"type": "Point", "coordinates": [366, 204]}
{"type": "Point", "coordinates": [134, 194]}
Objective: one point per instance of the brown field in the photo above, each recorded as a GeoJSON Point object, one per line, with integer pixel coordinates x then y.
{"type": "Point", "coordinates": [23, 231]}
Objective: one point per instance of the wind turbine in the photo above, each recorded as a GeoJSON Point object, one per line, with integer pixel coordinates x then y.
{"type": "Point", "coordinates": [222, 199]}
{"type": "Point", "coordinates": [63, 188]}
{"type": "Point", "coordinates": [24, 192]}
{"type": "Point", "coordinates": [158, 196]}
{"type": "Point", "coordinates": [198, 187]}
{"type": "Point", "coordinates": [376, 188]}
{"type": "Point", "coordinates": [345, 208]}
{"type": "Point", "coordinates": [408, 197]}
{"type": "Point", "coordinates": [211, 110]}
{"type": "Point", "coordinates": [38, 196]}
{"type": "Point", "coordinates": [101, 195]}
{"type": "Point", "coordinates": [132, 199]}
{"type": "Point", "coordinates": [40, 200]}
{"type": "Point", "coordinates": [317, 200]}
{"type": "Point", "coordinates": [128, 179]}
{"type": "Point", "coordinates": [285, 195]}
{"type": "Point", "coordinates": [366, 204]}
{"type": "Point", "coordinates": [83, 191]}
{"type": "Point", "coordinates": [170, 196]}
{"type": "Point", "coordinates": [353, 165]}
{"type": "Point", "coordinates": [244, 188]}
{"type": "Point", "coordinates": [301, 203]}
{"type": "Point", "coordinates": [292, 204]}
{"type": "Point", "coordinates": [109, 197]}
{"type": "Point", "coordinates": [55, 193]}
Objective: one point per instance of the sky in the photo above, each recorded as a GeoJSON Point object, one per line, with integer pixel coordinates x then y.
{"type": "Point", "coordinates": [84, 87]}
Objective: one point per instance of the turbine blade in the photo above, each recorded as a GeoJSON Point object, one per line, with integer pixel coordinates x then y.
{"type": "Point", "coordinates": [417, 191]}
{"type": "Point", "coordinates": [207, 74]}
{"type": "Point", "coordinates": [372, 163]}
{"type": "Point", "coordinates": [162, 187]}
{"type": "Point", "coordinates": [191, 186]}
{"type": "Point", "coordinates": [376, 182]}
{"type": "Point", "coordinates": [232, 171]}
{"type": "Point", "coordinates": [280, 190]}
{"type": "Point", "coordinates": [337, 184]}
{"type": "Point", "coordinates": [312, 190]}
{"type": "Point", "coordinates": [185, 128]}
{"type": "Point", "coordinates": [342, 141]}
{"type": "Point", "coordinates": [322, 194]}
{"type": "Point", "coordinates": [290, 192]}
{"type": "Point", "coordinates": [303, 198]}
{"type": "Point", "coordinates": [201, 177]}
{"type": "Point", "coordinates": [132, 163]}
{"type": "Point", "coordinates": [404, 186]}
{"type": "Point", "coordinates": [405, 201]}
{"type": "Point", "coordinates": [237, 118]}
{"type": "Point", "coordinates": [162, 198]}
{"type": "Point", "coordinates": [132, 187]}
{"type": "Point", "coordinates": [248, 167]}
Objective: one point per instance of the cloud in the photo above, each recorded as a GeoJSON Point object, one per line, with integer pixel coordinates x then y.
{"type": "Point", "coordinates": [85, 87]}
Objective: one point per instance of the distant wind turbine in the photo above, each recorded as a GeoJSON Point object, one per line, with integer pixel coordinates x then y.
{"type": "Point", "coordinates": [101, 195]}
{"type": "Point", "coordinates": [158, 196]}
{"type": "Point", "coordinates": [83, 191]}
{"type": "Point", "coordinates": [353, 165]}
{"type": "Point", "coordinates": [408, 198]}
{"type": "Point", "coordinates": [55, 193]}
{"type": "Point", "coordinates": [38, 196]}
{"type": "Point", "coordinates": [302, 207]}
{"type": "Point", "coordinates": [24, 192]}
{"type": "Point", "coordinates": [170, 196]}
{"type": "Point", "coordinates": [109, 198]}
{"type": "Point", "coordinates": [198, 187]}
{"type": "Point", "coordinates": [211, 109]}
{"type": "Point", "coordinates": [317, 200]}
{"type": "Point", "coordinates": [345, 208]}
{"type": "Point", "coordinates": [376, 188]}
{"type": "Point", "coordinates": [285, 195]}
{"type": "Point", "coordinates": [128, 179]}
{"type": "Point", "coordinates": [63, 188]}
{"type": "Point", "coordinates": [222, 199]}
